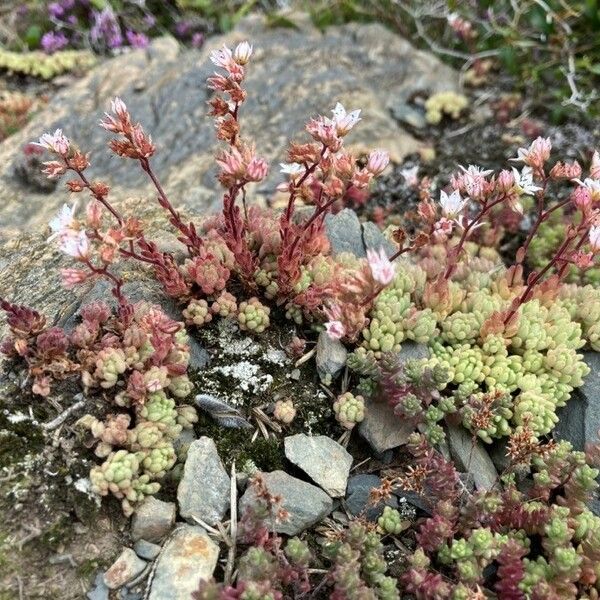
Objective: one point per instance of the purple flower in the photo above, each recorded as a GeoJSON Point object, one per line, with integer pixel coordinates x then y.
{"type": "Point", "coordinates": [182, 28]}
{"type": "Point", "coordinates": [105, 30]}
{"type": "Point", "coordinates": [53, 41]}
{"type": "Point", "coordinates": [137, 40]}
{"type": "Point", "coordinates": [149, 20]}
{"type": "Point", "coordinates": [55, 10]}
{"type": "Point", "coordinates": [197, 39]}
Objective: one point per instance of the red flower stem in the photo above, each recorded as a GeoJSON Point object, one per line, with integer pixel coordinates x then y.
{"type": "Point", "coordinates": [455, 253]}
{"type": "Point", "coordinates": [193, 241]}
{"type": "Point", "coordinates": [298, 184]}
{"type": "Point", "coordinates": [580, 243]}
{"type": "Point", "coordinates": [99, 198]}
{"type": "Point", "coordinates": [118, 282]}
{"type": "Point", "coordinates": [534, 280]}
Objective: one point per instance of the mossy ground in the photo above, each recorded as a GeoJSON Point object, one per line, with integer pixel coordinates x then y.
{"type": "Point", "coordinates": [52, 537]}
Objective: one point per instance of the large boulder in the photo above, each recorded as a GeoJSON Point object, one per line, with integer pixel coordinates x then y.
{"type": "Point", "coordinates": [294, 74]}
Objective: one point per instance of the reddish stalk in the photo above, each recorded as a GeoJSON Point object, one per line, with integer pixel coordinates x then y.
{"type": "Point", "coordinates": [98, 197]}
{"type": "Point", "coordinates": [456, 251]}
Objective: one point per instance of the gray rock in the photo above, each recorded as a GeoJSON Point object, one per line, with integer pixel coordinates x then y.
{"type": "Point", "coordinates": [126, 568]}
{"type": "Point", "coordinates": [331, 357]}
{"type": "Point", "coordinates": [373, 239]}
{"type": "Point", "coordinates": [153, 519]}
{"type": "Point", "coordinates": [413, 351]}
{"type": "Point", "coordinates": [204, 489]}
{"type": "Point", "coordinates": [579, 420]}
{"type": "Point", "coordinates": [305, 70]}
{"type": "Point", "coordinates": [408, 114]}
{"type": "Point", "coordinates": [199, 357]}
{"type": "Point", "coordinates": [382, 428]}
{"type": "Point", "coordinates": [146, 550]}
{"type": "Point", "coordinates": [188, 557]}
{"type": "Point", "coordinates": [358, 496]}
{"type": "Point", "coordinates": [345, 233]}
{"type": "Point", "coordinates": [182, 443]}
{"type": "Point", "coordinates": [473, 459]}
{"type": "Point", "coordinates": [325, 461]}
{"type": "Point", "coordinates": [306, 504]}
{"type": "Point", "coordinates": [99, 590]}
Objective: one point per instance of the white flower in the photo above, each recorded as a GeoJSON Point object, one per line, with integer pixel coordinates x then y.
{"type": "Point", "coordinates": [593, 185]}
{"type": "Point", "coordinates": [524, 181]}
{"type": "Point", "coordinates": [335, 330]}
{"type": "Point", "coordinates": [344, 121]}
{"type": "Point", "coordinates": [55, 142]}
{"type": "Point", "coordinates": [222, 58]}
{"type": "Point", "coordinates": [75, 244]}
{"type": "Point", "coordinates": [242, 53]}
{"type": "Point", "coordinates": [377, 162]}
{"type": "Point", "coordinates": [452, 204]}
{"type": "Point", "coordinates": [595, 237]}
{"type": "Point", "coordinates": [382, 269]}
{"type": "Point", "coordinates": [537, 154]}
{"type": "Point", "coordinates": [410, 176]}
{"type": "Point", "coordinates": [292, 169]}
{"type": "Point", "coordinates": [595, 166]}
{"type": "Point", "coordinates": [64, 222]}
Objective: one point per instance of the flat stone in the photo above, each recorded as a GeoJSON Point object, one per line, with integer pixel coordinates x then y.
{"type": "Point", "coordinates": [579, 420]}
{"type": "Point", "coordinates": [373, 239]}
{"type": "Point", "coordinates": [345, 233]}
{"type": "Point", "coordinates": [358, 497]}
{"type": "Point", "coordinates": [331, 357]}
{"type": "Point", "coordinates": [382, 428]}
{"type": "Point", "coordinates": [126, 568]}
{"type": "Point", "coordinates": [413, 351]}
{"type": "Point", "coordinates": [204, 489]}
{"type": "Point", "coordinates": [188, 557]}
{"type": "Point", "coordinates": [325, 461]}
{"type": "Point", "coordinates": [153, 519]}
{"type": "Point", "coordinates": [305, 504]}
{"type": "Point", "coordinates": [99, 590]}
{"type": "Point", "coordinates": [146, 550]}
{"type": "Point", "coordinates": [409, 115]}
{"type": "Point", "coordinates": [305, 71]}
{"type": "Point", "coordinates": [472, 458]}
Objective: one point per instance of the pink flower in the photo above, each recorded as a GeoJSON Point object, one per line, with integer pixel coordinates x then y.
{"type": "Point", "coordinates": [119, 107]}
{"type": "Point", "coordinates": [536, 155]}
{"type": "Point", "coordinates": [242, 53]}
{"type": "Point", "coordinates": [64, 223]}
{"type": "Point", "coordinates": [382, 269]}
{"type": "Point", "coordinates": [594, 236]}
{"type": "Point", "coordinates": [505, 180]}
{"type": "Point", "coordinates": [443, 228]}
{"type": "Point", "coordinates": [75, 244]}
{"type": "Point", "coordinates": [592, 185]}
{"type": "Point", "coordinates": [325, 131]}
{"type": "Point", "coordinates": [73, 277]}
{"type": "Point", "coordinates": [344, 121]}
{"type": "Point", "coordinates": [377, 162]}
{"type": "Point", "coordinates": [335, 330]}
{"type": "Point", "coordinates": [231, 162]}
{"type": "Point", "coordinates": [53, 169]}
{"type": "Point", "coordinates": [582, 198]}
{"type": "Point", "coordinates": [473, 181]}
{"type": "Point", "coordinates": [55, 142]}
{"type": "Point", "coordinates": [257, 169]}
